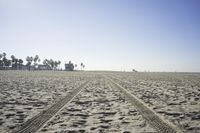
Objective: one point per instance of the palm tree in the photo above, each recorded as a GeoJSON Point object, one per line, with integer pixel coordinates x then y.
{"type": "Point", "coordinates": [16, 63]}
{"type": "Point", "coordinates": [1, 56]}
{"type": "Point", "coordinates": [46, 63]}
{"type": "Point", "coordinates": [55, 65]}
{"type": "Point", "coordinates": [82, 66]}
{"type": "Point", "coordinates": [20, 63]}
{"type": "Point", "coordinates": [29, 62]}
{"type": "Point", "coordinates": [75, 66]}
{"type": "Point", "coordinates": [51, 63]}
{"type": "Point", "coordinates": [36, 60]}
{"type": "Point", "coordinates": [12, 61]}
{"type": "Point", "coordinates": [1, 61]}
{"type": "Point", "coordinates": [7, 63]}
{"type": "Point", "coordinates": [4, 59]}
{"type": "Point", "coordinates": [4, 54]}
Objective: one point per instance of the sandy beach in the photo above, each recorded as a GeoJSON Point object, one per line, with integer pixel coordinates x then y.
{"type": "Point", "coordinates": [99, 107]}
{"type": "Point", "coordinates": [25, 94]}
{"type": "Point", "coordinates": [176, 96]}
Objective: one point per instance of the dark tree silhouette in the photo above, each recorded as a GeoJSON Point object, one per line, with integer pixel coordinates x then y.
{"type": "Point", "coordinates": [75, 65]}
{"type": "Point", "coordinates": [51, 62]}
{"type": "Point", "coordinates": [47, 63]}
{"type": "Point", "coordinates": [82, 66]}
{"type": "Point", "coordinates": [20, 63]}
{"type": "Point", "coordinates": [16, 63]}
{"type": "Point", "coordinates": [1, 61]}
{"type": "Point", "coordinates": [29, 62]}
{"type": "Point", "coordinates": [4, 60]}
{"type": "Point", "coordinates": [56, 64]}
{"type": "Point", "coordinates": [36, 61]}
{"type": "Point", "coordinates": [13, 61]}
{"type": "Point", "coordinates": [7, 63]}
{"type": "Point", "coordinates": [4, 54]}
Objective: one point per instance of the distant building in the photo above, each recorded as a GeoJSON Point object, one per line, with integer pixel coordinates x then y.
{"type": "Point", "coordinates": [23, 67]}
{"type": "Point", "coordinates": [69, 66]}
{"type": "Point", "coordinates": [1, 67]}
{"type": "Point", "coordinates": [5, 67]}
{"type": "Point", "coordinates": [31, 68]}
{"type": "Point", "coordinates": [43, 67]}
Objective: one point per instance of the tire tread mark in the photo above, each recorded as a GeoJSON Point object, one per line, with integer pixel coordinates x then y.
{"type": "Point", "coordinates": [35, 123]}
{"type": "Point", "coordinates": [161, 125]}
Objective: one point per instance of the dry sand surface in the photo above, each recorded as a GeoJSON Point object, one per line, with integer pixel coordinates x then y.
{"type": "Point", "coordinates": [24, 94]}
{"type": "Point", "coordinates": [99, 107]}
{"type": "Point", "coordinates": [176, 96]}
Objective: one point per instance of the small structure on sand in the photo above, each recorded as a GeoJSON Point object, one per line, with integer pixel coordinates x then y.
{"type": "Point", "coordinates": [69, 66]}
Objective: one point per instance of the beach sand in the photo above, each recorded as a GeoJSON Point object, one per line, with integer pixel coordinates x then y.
{"type": "Point", "coordinates": [98, 108]}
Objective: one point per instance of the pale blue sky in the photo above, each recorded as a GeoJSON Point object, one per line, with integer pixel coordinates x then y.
{"type": "Point", "coordinates": [155, 35]}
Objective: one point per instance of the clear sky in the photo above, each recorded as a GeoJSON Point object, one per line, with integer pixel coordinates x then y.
{"type": "Point", "coordinates": [154, 35]}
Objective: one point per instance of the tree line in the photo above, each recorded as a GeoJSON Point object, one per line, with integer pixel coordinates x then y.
{"type": "Point", "coordinates": [32, 62]}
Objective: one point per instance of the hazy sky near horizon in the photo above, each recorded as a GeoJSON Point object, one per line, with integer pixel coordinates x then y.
{"type": "Point", "coordinates": [154, 35]}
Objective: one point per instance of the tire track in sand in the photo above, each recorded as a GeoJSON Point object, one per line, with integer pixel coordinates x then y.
{"type": "Point", "coordinates": [152, 118]}
{"type": "Point", "coordinates": [34, 124]}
